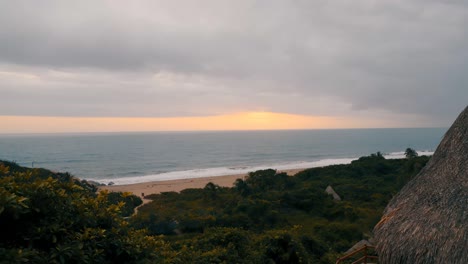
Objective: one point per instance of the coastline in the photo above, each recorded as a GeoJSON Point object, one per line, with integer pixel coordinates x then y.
{"type": "Point", "coordinates": [155, 187]}
{"type": "Point", "coordinates": [142, 189]}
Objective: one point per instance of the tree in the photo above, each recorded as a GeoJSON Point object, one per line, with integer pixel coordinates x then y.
{"type": "Point", "coordinates": [54, 220]}
{"type": "Point", "coordinates": [242, 187]}
{"type": "Point", "coordinates": [410, 153]}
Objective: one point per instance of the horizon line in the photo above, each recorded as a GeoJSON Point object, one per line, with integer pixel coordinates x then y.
{"type": "Point", "coordinates": [205, 131]}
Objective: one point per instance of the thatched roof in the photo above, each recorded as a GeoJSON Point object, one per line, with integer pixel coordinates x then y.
{"type": "Point", "coordinates": [427, 222]}
{"type": "Point", "coordinates": [332, 192]}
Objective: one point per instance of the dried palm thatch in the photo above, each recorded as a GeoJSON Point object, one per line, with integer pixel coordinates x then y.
{"type": "Point", "coordinates": [427, 222]}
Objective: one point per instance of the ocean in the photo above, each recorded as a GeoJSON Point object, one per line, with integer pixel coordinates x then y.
{"type": "Point", "coordinates": [124, 158]}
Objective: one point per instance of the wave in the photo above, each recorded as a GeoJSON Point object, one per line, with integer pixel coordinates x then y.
{"type": "Point", "coordinates": [401, 154]}
{"type": "Point", "coordinates": [224, 171]}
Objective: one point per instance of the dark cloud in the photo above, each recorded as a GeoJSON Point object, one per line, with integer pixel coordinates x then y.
{"type": "Point", "coordinates": [177, 58]}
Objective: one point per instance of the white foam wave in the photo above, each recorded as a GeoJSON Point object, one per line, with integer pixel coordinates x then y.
{"type": "Point", "coordinates": [401, 154]}
{"type": "Point", "coordinates": [223, 171]}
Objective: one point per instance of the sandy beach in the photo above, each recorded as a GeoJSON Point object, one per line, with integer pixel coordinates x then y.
{"type": "Point", "coordinates": [154, 187]}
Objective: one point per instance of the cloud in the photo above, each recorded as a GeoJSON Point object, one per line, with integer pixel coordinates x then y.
{"type": "Point", "coordinates": [179, 58]}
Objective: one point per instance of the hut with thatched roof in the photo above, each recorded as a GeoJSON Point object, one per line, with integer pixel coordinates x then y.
{"type": "Point", "coordinates": [329, 190]}
{"type": "Point", "coordinates": [427, 221]}
{"type": "Point", "coordinates": [359, 245]}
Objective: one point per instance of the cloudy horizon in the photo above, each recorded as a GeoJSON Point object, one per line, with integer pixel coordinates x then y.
{"type": "Point", "coordinates": [400, 61]}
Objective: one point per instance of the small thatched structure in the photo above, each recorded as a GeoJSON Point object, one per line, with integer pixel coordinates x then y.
{"type": "Point", "coordinates": [332, 192]}
{"type": "Point", "coordinates": [427, 222]}
{"type": "Point", "coordinates": [359, 245]}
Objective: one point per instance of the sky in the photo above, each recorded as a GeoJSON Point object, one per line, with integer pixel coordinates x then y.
{"type": "Point", "coordinates": [90, 66]}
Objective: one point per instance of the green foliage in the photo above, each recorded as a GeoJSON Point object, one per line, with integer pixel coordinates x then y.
{"type": "Point", "coordinates": [61, 220]}
{"type": "Point", "coordinates": [282, 219]}
{"type": "Point", "coordinates": [130, 202]}
{"type": "Point", "coordinates": [217, 245]}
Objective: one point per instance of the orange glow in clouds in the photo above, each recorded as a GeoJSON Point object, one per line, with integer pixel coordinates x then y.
{"type": "Point", "coordinates": [239, 121]}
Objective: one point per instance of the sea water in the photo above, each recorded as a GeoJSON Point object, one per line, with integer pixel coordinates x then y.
{"type": "Point", "coordinates": [125, 158]}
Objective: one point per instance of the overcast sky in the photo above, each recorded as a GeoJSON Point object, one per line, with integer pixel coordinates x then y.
{"type": "Point", "coordinates": [403, 59]}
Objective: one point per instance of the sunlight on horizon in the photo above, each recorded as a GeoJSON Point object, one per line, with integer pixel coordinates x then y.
{"type": "Point", "coordinates": [236, 121]}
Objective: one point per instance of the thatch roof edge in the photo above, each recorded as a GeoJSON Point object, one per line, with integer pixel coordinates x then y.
{"type": "Point", "coordinates": [426, 222]}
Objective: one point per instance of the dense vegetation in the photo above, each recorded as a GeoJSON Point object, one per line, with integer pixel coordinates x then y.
{"type": "Point", "coordinates": [50, 217]}
{"type": "Point", "coordinates": [268, 217]}
{"type": "Point", "coordinates": [277, 218]}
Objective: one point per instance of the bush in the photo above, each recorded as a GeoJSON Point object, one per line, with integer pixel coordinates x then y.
{"type": "Point", "coordinates": [59, 221]}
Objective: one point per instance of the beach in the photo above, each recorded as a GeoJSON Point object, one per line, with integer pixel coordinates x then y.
{"type": "Point", "coordinates": [155, 187]}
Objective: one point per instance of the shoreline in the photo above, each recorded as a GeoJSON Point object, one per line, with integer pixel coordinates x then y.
{"type": "Point", "coordinates": [143, 189]}
{"type": "Point", "coordinates": [216, 172]}
{"type": "Point", "coordinates": [155, 187]}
